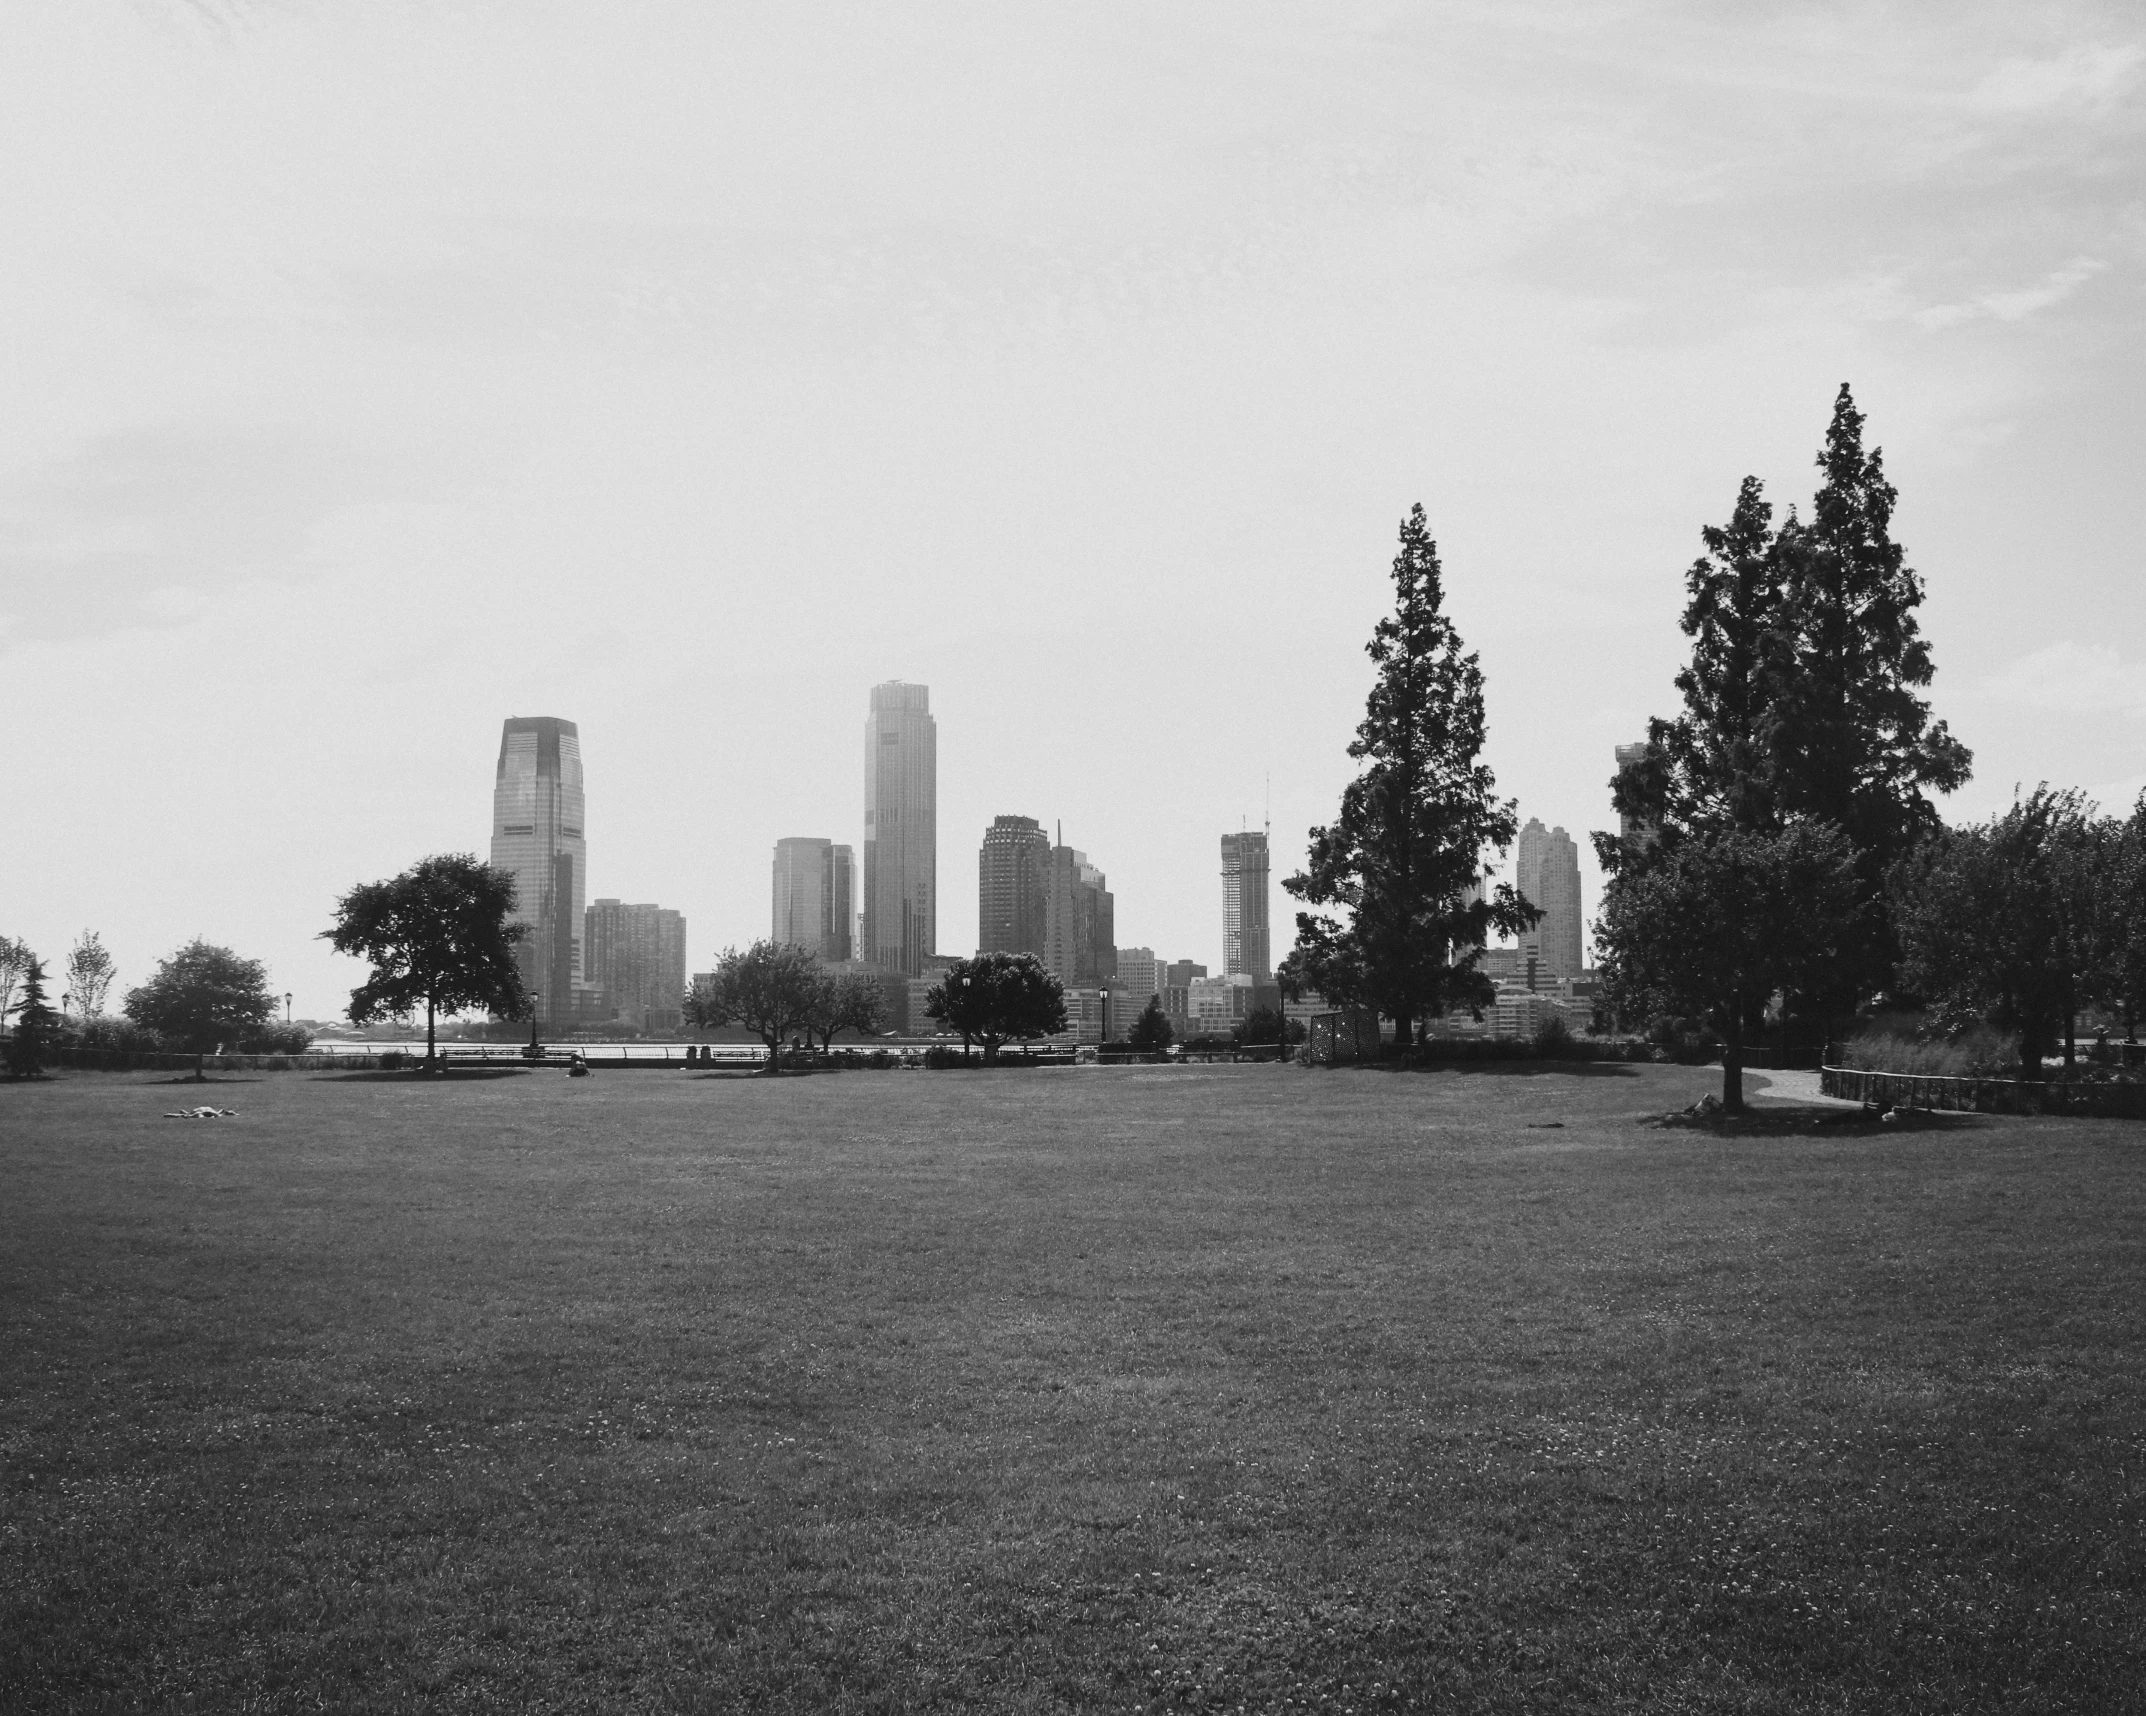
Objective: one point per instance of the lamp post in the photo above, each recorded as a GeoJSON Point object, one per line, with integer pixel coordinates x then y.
{"type": "Point", "coordinates": [965, 983]}
{"type": "Point", "coordinates": [1104, 991]}
{"type": "Point", "coordinates": [286, 1009]}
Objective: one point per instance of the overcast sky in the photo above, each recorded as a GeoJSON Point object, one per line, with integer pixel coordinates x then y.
{"type": "Point", "coordinates": [374, 373]}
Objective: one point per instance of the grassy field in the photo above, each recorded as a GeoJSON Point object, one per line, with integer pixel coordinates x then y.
{"type": "Point", "coordinates": [1117, 1389]}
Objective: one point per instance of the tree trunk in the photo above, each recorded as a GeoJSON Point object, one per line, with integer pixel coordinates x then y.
{"type": "Point", "coordinates": [2030, 1053]}
{"type": "Point", "coordinates": [431, 1038]}
{"type": "Point", "coordinates": [990, 1051]}
{"type": "Point", "coordinates": [2071, 1027]}
{"type": "Point", "coordinates": [1732, 1068]}
{"type": "Point", "coordinates": [200, 1077]}
{"type": "Point", "coordinates": [774, 1053]}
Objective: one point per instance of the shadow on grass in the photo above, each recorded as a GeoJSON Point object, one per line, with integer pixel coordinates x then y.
{"type": "Point", "coordinates": [1526, 1069]}
{"type": "Point", "coordinates": [211, 1079]}
{"type": "Point", "coordinates": [415, 1075]}
{"type": "Point", "coordinates": [1777, 1119]}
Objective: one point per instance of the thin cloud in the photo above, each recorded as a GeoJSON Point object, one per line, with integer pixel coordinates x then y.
{"type": "Point", "coordinates": [2073, 679]}
{"type": "Point", "coordinates": [2085, 77]}
{"type": "Point", "coordinates": [2017, 306]}
{"type": "Point", "coordinates": [2117, 797]}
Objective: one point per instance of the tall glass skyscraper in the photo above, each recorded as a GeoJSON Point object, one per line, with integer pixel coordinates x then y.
{"type": "Point", "coordinates": [1012, 879]}
{"type": "Point", "coordinates": [1080, 932]}
{"type": "Point", "coordinates": [1246, 950]}
{"type": "Point", "coordinates": [1546, 868]}
{"type": "Point", "coordinates": [813, 896]}
{"type": "Point", "coordinates": [901, 829]}
{"type": "Point", "coordinates": [537, 839]}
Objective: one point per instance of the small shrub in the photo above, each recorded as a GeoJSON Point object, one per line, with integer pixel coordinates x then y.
{"type": "Point", "coordinates": [275, 1040]}
{"type": "Point", "coordinates": [1553, 1038]}
{"type": "Point", "coordinates": [1978, 1052]}
{"type": "Point", "coordinates": [116, 1032]}
{"type": "Point", "coordinates": [391, 1058]}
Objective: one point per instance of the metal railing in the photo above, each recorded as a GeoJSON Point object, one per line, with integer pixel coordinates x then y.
{"type": "Point", "coordinates": [1940, 1093]}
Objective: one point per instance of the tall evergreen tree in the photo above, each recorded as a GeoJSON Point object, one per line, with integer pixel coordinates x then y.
{"type": "Point", "coordinates": [1853, 743]}
{"type": "Point", "coordinates": [1399, 875]}
{"type": "Point", "coordinates": [1710, 767]}
{"type": "Point", "coordinates": [35, 1025]}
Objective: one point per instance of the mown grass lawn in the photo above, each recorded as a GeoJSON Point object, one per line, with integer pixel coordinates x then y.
{"type": "Point", "coordinates": [1100, 1389]}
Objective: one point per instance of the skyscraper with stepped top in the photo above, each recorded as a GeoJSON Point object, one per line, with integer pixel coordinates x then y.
{"type": "Point", "coordinates": [537, 838]}
{"type": "Point", "coordinates": [1546, 869]}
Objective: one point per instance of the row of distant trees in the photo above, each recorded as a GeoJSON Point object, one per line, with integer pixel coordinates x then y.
{"type": "Point", "coordinates": [196, 1001]}
{"type": "Point", "coordinates": [88, 974]}
{"type": "Point", "coordinates": [438, 938]}
{"type": "Point", "coordinates": [1787, 864]}
{"type": "Point", "coordinates": [782, 995]}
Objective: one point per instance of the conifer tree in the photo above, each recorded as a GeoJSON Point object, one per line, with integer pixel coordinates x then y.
{"type": "Point", "coordinates": [35, 1025]}
{"type": "Point", "coordinates": [1711, 767]}
{"type": "Point", "coordinates": [1399, 875]}
{"type": "Point", "coordinates": [1853, 743]}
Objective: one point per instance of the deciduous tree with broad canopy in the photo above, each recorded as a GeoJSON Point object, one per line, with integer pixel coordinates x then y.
{"type": "Point", "coordinates": [89, 974]}
{"type": "Point", "coordinates": [998, 998]}
{"type": "Point", "coordinates": [847, 1001]}
{"type": "Point", "coordinates": [15, 961]}
{"type": "Point", "coordinates": [1399, 879]}
{"type": "Point", "coordinates": [771, 989]}
{"type": "Point", "coordinates": [201, 997]}
{"type": "Point", "coordinates": [1723, 921]}
{"type": "Point", "coordinates": [436, 935]}
{"type": "Point", "coordinates": [1999, 918]}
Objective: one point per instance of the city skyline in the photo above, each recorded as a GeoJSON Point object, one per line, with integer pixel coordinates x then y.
{"type": "Point", "coordinates": [307, 348]}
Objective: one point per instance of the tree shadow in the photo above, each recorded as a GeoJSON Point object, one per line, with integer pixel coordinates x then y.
{"type": "Point", "coordinates": [1779, 1119]}
{"type": "Point", "coordinates": [1530, 1069]}
{"type": "Point", "coordinates": [417, 1075]}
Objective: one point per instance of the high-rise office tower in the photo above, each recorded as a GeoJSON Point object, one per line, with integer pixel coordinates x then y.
{"type": "Point", "coordinates": [813, 891]}
{"type": "Point", "coordinates": [1627, 826]}
{"type": "Point", "coordinates": [634, 959]}
{"type": "Point", "coordinates": [537, 839]}
{"type": "Point", "coordinates": [1547, 871]}
{"type": "Point", "coordinates": [901, 828]}
{"type": "Point", "coordinates": [665, 1006]}
{"type": "Point", "coordinates": [1176, 979]}
{"type": "Point", "coordinates": [841, 904]}
{"type": "Point", "coordinates": [1079, 921]}
{"type": "Point", "coordinates": [1245, 946]}
{"type": "Point", "coordinates": [1012, 880]}
{"type": "Point", "coordinates": [1139, 981]}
